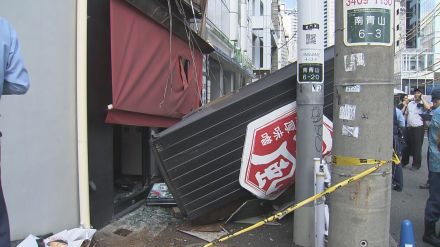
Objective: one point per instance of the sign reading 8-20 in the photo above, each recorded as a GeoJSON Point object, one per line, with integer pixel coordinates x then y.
{"type": "Point", "coordinates": [368, 22]}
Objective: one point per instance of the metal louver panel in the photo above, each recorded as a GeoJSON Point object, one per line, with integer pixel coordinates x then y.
{"type": "Point", "coordinates": [200, 156]}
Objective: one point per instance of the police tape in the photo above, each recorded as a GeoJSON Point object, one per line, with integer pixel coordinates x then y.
{"type": "Point", "coordinates": [351, 161]}
{"type": "Point", "coordinates": [376, 165]}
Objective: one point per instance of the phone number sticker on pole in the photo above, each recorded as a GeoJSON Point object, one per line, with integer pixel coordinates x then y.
{"type": "Point", "coordinates": [368, 22]}
{"type": "Point", "coordinates": [311, 43]}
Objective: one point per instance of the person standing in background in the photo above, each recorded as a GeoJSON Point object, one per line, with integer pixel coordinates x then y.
{"type": "Point", "coordinates": [415, 130]}
{"type": "Point", "coordinates": [398, 126]}
{"type": "Point", "coordinates": [432, 209]}
{"type": "Point", "coordinates": [403, 103]}
{"type": "Point", "coordinates": [14, 79]}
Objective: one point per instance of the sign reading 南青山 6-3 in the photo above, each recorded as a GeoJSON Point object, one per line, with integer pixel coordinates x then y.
{"type": "Point", "coordinates": [368, 22]}
{"type": "Point", "coordinates": [269, 153]}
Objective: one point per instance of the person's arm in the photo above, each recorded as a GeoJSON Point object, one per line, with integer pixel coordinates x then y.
{"type": "Point", "coordinates": [404, 108]}
{"type": "Point", "coordinates": [426, 105]}
{"type": "Point", "coordinates": [438, 139]}
{"type": "Point", "coordinates": [16, 76]}
{"type": "Point", "coordinates": [400, 118]}
{"type": "Point", "coordinates": [406, 112]}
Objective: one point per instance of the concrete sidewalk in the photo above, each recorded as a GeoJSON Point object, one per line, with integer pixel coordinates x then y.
{"type": "Point", "coordinates": [156, 226]}
{"type": "Point", "coordinates": [410, 203]}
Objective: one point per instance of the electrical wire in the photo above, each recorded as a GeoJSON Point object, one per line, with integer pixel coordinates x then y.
{"type": "Point", "coordinates": [426, 20]}
{"type": "Point", "coordinates": [189, 35]}
{"type": "Point", "coordinates": [170, 78]}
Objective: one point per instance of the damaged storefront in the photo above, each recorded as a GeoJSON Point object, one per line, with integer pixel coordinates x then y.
{"type": "Point", "coordinates": [146, 123]}
{"type": "Point", "coordinates": [145, 74]}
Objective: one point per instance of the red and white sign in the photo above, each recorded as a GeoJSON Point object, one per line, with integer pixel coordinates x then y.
{"type": "Point", "coordinates": [269, 153]}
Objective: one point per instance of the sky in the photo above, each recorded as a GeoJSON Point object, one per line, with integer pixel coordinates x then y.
{"type": "Point", "coordinates": [290, 3]}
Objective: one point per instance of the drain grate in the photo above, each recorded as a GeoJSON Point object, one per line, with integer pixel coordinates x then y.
{"type": "Point", "coordinates": [122, 232]}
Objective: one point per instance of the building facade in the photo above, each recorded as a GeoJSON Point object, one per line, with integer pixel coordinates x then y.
{"type": "Point", "coordinates": [290, 17]}
{"type": "Point", "coordinates": [290, 22]}
{"type": "Point", "coordinates": [269, 43]}
{"type": "Point", "coordinates": [280, 50]}
{"type": "Point", "coordinates": [417, 45]}
{"type": "Point", "coordinates": [229, 67]}
{"type": "Point", "coordinates": [329, 23]}
{"type": "Point", "coordinates": [412, 21]}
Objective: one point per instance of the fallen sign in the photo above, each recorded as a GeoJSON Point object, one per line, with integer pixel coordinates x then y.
{"type": "Point", "coordinates": [200, 156]}
{"type": "Point", "coordinates": [269, 154]}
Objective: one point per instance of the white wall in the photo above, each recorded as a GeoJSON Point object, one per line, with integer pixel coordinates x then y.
{"type": "Point", "coordinates": [39, 161]}
{"type": "Point", "coordinates": [261, 25]}
{"type": "Point", "coordinates": [330, 22]}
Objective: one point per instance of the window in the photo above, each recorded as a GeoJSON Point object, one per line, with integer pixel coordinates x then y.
{"type": "Point", "coordinates": [261, 8]}
{"type": "Point", "coordinates": [397, 12]}
{"type": "Point", "coordinates": [397, 43]}
{"type": "Point", "coordinates": [397, 28]}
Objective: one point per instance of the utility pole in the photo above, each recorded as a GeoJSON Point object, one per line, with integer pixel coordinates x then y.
{"type": "Point", "coordinates": [362, 120]}
{"type": "Point", "coordinates": [310, 101]}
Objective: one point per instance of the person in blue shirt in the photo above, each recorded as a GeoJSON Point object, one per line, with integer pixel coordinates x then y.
{"type": "Point", "coordinates": [14, 79]}
{"type": "Point", "coordinates": [398, 125]}
{"type": "Point", "coordinates": [432, 209]}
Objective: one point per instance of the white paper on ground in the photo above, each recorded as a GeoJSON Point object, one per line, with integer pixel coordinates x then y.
{"type": "Point", "coordinates": [30, 241]}
{"type": "Point", "coordinates": [74, 237]}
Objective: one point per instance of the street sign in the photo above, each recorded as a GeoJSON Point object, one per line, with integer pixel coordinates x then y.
{"type": "Point", "coordinates": [311, 43]}
{"type": "Point", "coordinates": [269, 154]}
{"type": "Point", "coordinates": [368, 22]}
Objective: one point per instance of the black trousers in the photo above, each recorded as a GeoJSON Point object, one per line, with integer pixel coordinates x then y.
{"type": "Point", "coordinates": [414, 139]}
{"type": "Point", "coordinates": [432, 210]}
{"type": "Point", "coordinates": [5, 237]}
{"type": "Point", "coordinates": [397, 169]}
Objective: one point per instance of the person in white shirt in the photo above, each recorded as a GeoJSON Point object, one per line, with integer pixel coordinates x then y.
{"type": "Point", "coordinates": [415, 130]}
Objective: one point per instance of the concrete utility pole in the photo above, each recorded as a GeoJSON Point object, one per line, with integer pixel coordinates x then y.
{"type": "Point", "coordinates": [310, 100]}
{"type": "Point", "coordinates": [362, 118]}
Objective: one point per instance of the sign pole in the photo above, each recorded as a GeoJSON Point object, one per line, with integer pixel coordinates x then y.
{"type": "Point", "coordinates": [362, 117]}
{"type": "Point", "coordinates": [310, 100]}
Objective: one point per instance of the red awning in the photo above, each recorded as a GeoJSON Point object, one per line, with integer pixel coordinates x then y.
{"type": "Point", "coordinates": [150, 87]}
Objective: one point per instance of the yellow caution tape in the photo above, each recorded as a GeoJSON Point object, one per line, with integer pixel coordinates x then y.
{"type": "Point", "coordinates": [377, 164]}
{"type": "Point", "coordinates": [351, 161]}
{"type": "Point", "coordinates": [396, 159]}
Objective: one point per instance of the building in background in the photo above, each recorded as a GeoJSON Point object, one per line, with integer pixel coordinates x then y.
{"type": "Point", "coordinates": [229, 67]}
{"type": "Point", "coordinates": [268, 49]}
{"type": "Point", "coordinates": [290, 20]}
{"type": "Point", "coordinates": [280, 50]}
{"type": "Point", "coordinates": [429, 43]}
{"type": "Point", "coordinates": [412, 21]}
{"type": "Point", "coordinates": [399, 27]}
{"type": "Point", "coordinates": [329, 23]}
{"type": "Point", "coordinates": [417, 45]}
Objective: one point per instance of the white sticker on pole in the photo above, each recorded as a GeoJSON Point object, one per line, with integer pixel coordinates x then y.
{"type": "Point", "coordinates": [347, 112]}
{"type": "Point", "coordinates": [310, 67]}
{"type": "Point", "coordinates": [368, 22]}
{"type": "Point", "coordinates": [350, 131]}
{"type": "Point", "coordinates": [353, 89]}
